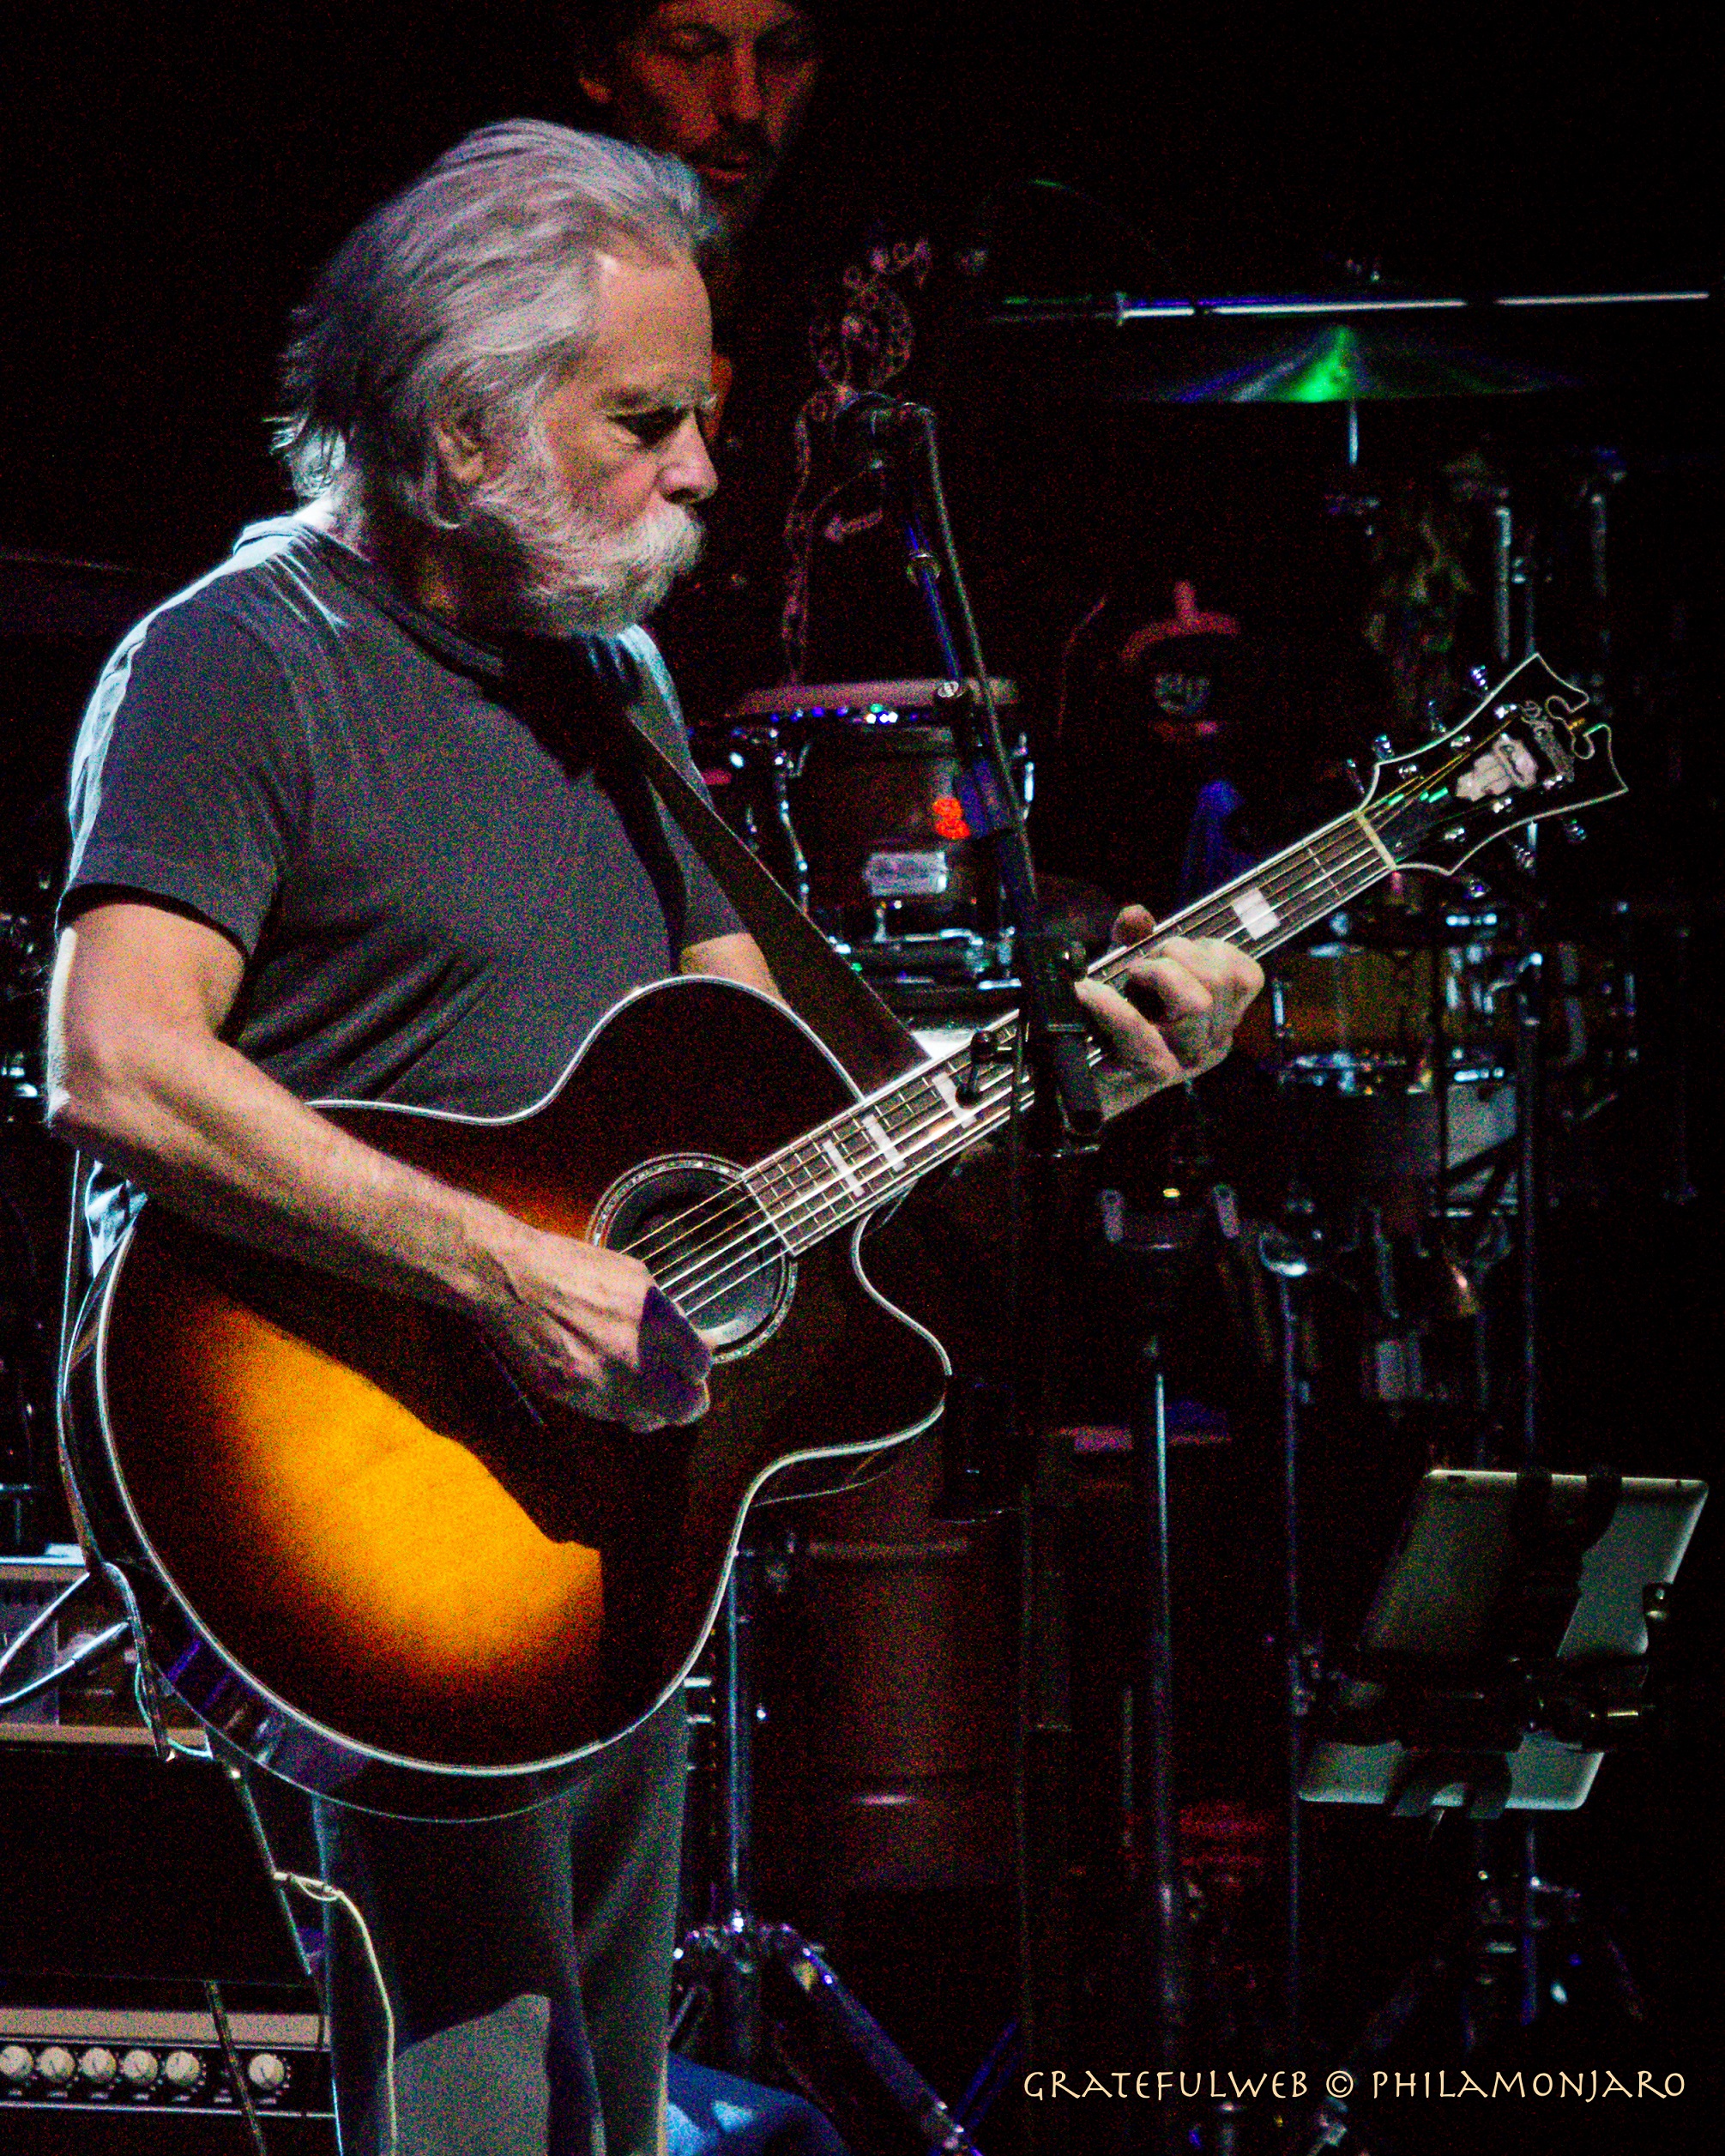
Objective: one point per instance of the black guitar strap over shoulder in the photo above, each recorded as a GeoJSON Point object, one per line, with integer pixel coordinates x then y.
{"type": "Point", "coordinates": [836, 1004]}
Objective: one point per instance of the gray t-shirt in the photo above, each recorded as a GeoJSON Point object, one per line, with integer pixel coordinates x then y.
{"type": "Point", "coordinates": [438, 867]}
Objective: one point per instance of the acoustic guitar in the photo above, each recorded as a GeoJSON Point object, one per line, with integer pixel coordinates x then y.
{"type": "Point", "coordinates": [367, 1561]}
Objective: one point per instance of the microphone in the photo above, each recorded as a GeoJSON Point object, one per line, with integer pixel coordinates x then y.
{"type": "Point", "coordinates": [865, 424]}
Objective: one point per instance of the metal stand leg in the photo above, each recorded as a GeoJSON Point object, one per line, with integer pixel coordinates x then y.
{"type": "Point", "coordinates": [731, 1974]}
{"type": "Point", "coordinates": [1285, 1259]}
{"type": "Point", "coordinates": [1167, 1884]}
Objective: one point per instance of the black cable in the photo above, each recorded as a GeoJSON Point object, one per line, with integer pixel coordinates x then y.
{"type": "Point", "coordinates": [949, 549]}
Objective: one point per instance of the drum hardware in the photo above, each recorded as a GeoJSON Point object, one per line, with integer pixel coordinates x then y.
{"type": "Point", "coordinates": [743, 1987]}
{"type": "Point", "coordinates": [741, 753]}
{"type": "Point", "coordinates": [782, 765]}
{"type": "Point", "coordinates": [1150, 1262]}
{"type": "Point", "coordinates": [1392, 1371]}
{"type": "Point", "coordinates": [1500, 1925]}
{"type": "Point", "coordinates": [848, 791]}
{"type": "Point", "coordinates": [959, 956]}
{"type": "Point", "coordinates": [1520, 1630]}
{"type": "Point", "coordinates": [1394, 1047]}
{"type": "Point", "coordinates": [1289, 1259]}
{"type": "Point", "coordinates": [1410, 1118]}
{"type": "Point", "coordinates": [1409, 1290]}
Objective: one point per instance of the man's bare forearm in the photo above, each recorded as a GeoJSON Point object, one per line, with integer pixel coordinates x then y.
{"type": "Point", "coordinates": [200, 1127]}
{"type": "Point", "coordinates": [140, 1074]}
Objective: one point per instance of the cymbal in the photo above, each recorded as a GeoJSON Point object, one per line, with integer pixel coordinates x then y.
{"type": "Point", "coordinates": [1356, 363]}
{"type": "Point", "coordinates": [50, 596]}
{"type": "Point", "coordinates": [1351, 346]}
{"type": "Point", "coordinates": [842, 699]}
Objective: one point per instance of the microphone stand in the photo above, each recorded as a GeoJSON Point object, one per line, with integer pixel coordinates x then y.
{"type": "Point", "coordinates": [1057, 1039]}
{"type": "Point", "coordinates": [1064, 1120]}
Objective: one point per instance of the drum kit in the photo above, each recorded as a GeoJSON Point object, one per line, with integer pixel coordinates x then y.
{"type": "Point", "coordinates": [1411, 1047]}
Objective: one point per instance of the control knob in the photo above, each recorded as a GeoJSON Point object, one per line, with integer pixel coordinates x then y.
{"type": "Point", "coordinates": [56, 2065]}
{"type": "Point", "coordinates": [182, 2069]}
{"type": "Point", "coordinates": [99, 2065]}
{"type": "Point", "coordinates": [138, 2069]}
{"type": "Point", "coordinates": [265, 2071]}
{"type": "Point", "coordinates": [16, 2065]}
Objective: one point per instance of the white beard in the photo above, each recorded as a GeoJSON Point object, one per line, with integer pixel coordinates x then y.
{"type": "Point", "coordinates": [551, 570]}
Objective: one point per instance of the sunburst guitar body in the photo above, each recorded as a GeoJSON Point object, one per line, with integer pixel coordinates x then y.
{"type": "Point", "coordinates": [400, 1562]}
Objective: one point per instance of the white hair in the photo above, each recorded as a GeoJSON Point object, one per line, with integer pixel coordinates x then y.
{"type": "Point", "coordinates": [464, 301]}
{"type": "Point", "coordinates": [548, 567]}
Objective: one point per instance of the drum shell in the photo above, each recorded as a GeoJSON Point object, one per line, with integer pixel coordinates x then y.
{"type": "Point", "coordinates": [1368, 1010]}
{"type": "Point", "coordinates": [885, 1763]}
{"type": "Point", "coordinates": [876, 808]}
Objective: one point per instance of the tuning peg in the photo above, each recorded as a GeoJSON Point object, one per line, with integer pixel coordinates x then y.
{"type": "Point", "coordinates": [1349, 769]}
{"type": "Point", "coordinates": [1480, 678]}
{"type": "Point", "coordinates": [1523, 853]}
{"type": "Point", "coordinates": [1382, 746]}
{"type": "Point", "coordinates": [1574, 832]}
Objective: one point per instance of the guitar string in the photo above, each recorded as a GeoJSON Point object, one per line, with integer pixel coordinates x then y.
{"type": "Point", "coordinates": [827, 1193]}
{"type": "Point", "coordinates": [838, 1197]}
{"type": "Point", "coordinates": [723, 1209]}
{"type": "Point", "coordinates": [824, 1202]}
{"type": "Point", "coordinates": [715, 1268]}
{"type": "Point", "coordinates": [842, 1196]}
{"type": "Point", "coordinates": [821, 1195]}
{"type": "Point", "coordinates": [785, 1167]}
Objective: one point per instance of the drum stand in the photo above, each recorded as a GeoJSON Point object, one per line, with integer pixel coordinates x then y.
{"type": "Point", "coordinates": [1287, 1262]}
{"type": "Point", "coordinates": [1152, 1269]}
{"type": "Point", "coordinates": [1504, 1920]}
{"type": "Point", "coordinates": [25, 1358]}
{"type": "Point", "coordinates": [758, 1991]}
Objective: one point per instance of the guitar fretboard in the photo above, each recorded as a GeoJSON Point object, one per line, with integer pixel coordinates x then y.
{"type": "Point", "coordinates": [871, 1154]}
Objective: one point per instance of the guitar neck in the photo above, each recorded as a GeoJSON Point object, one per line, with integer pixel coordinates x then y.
{"type": "Point", "coordinates": [1279, 898]}
{"type": "Point", "coordinates": [873, 1153]}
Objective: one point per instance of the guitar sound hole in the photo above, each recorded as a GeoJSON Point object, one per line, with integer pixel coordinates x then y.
{"type": "Point", "coordinates": [705, 1240]}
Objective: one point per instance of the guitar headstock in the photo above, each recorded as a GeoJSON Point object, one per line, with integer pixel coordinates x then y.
{"type": "Point", "coordinates": [1524, 753]}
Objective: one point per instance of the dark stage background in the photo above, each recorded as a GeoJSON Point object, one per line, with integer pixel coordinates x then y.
{"type": "Point", "coordinates": [172, 176]}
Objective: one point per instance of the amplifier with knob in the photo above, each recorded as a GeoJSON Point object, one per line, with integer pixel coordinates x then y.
{"type": "Point", "coordinates": [110, 2058]}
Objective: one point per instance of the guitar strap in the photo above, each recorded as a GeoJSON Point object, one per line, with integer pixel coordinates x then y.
{"type": "Point", "coordinates": [866, 1038]}
{"type": "Point", "coordinates": [616, 689]}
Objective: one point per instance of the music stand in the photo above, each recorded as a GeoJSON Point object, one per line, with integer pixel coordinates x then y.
{"type": "Point", "coordinates": [1508, 1645]}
